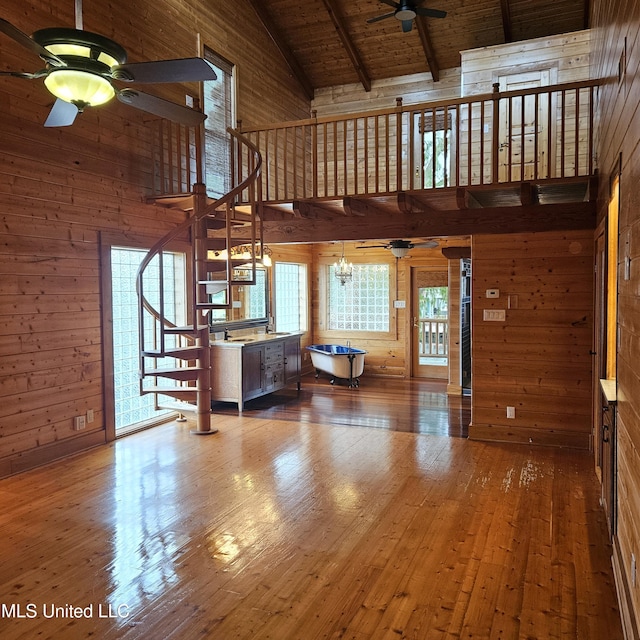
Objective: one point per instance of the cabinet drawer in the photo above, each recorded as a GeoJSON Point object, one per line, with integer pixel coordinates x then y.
{"type": "Point", "coordinates": [274, 352]}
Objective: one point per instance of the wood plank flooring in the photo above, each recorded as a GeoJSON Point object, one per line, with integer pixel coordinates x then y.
{"type": "Point", "coordinates": [303, 520]}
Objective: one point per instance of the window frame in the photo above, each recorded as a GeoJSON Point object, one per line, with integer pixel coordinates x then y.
{"type": "Point", "coordinates": [304, 304]}
{"type": "Point", "coordinates": [323, 302]}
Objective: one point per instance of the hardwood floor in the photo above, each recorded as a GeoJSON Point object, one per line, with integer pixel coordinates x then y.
{"type": "Point", "coordinates": [335, 515]}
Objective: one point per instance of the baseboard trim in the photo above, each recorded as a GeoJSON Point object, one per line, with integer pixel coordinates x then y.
{"type": "Point", "coordinates": [50, 453]}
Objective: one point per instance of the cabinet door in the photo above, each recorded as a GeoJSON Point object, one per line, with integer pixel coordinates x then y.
{"type": "Point", "coordinates": [252, 371]}
{"type": "Point", "coordinates": [292, 360]}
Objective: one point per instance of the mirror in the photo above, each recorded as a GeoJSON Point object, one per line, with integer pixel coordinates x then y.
{"type": "Point", "coordinates": [250, 305]}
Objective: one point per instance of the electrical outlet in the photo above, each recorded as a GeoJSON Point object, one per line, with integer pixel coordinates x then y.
{"type": "Point", "coordinates": [511, 413]}
{"type": "Point", "coordinates": [79, 423]}
{"type": "Point", "coordinates": [90, 416]}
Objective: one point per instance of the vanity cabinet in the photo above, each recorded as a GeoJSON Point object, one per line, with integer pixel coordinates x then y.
{"type": "Point", "coordinates": [241, 371]}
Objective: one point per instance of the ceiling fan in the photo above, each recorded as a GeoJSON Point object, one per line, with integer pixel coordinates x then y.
{"type": "Point", "coordinates": [406, 11]}
{"type": "Point", "coordinates": [81, 67]}
{"type": "Point", "coordinates": [400, 248]}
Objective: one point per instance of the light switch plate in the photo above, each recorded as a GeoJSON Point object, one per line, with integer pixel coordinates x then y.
{"type": "Point", "coordinates": [494, 315]}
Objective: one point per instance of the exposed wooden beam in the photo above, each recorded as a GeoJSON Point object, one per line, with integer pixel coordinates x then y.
{"type": "Point", "coordinates": [528, 193]}
{"type": "Point", "coordinates": [506, 20]}
{"type": "Point", "coordinates": [451, 222]}
{"type": "Point", "coordinates": [352, 51]}
{"type": "Point", "coordinates": [456, 253]}
{"type": "Point", "coordinates": [359, 207]}
{"type": "Point", "coordinates": [292, 62]}
{"type": "Point", "coordinates": [427, 45]}
{"type": "Point", "coordinates": [410, 204]}
{"type": "Point", "coordinates": [308, 210]}
{"type": "Point", "coordinates": [465, 200]}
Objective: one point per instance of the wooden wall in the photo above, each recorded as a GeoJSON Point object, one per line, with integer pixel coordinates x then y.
{"type": "Point", "coordinates": [537, 360]}
{"type": "Point", "coordinates": [567, 55]}
{"type": "Point", "coordinates": [616, 55]}
{"type": "Point", "coordinates": [59, 188]}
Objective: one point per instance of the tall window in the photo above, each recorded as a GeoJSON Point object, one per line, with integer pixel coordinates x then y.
{"type": "Point", "coordinates": [435, 146]}
{"type": "Point", "coordinates": [130, 407]}
{"type": "Point", "coordinates": [219, 107]}
{"type": "Point", "coordinates": [363, 303]}
{"type": "Point", "coordinates": [290, 294]}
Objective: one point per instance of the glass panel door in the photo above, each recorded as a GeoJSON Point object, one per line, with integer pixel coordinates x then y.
{"type": "Point", "coordinates": [430, 324]}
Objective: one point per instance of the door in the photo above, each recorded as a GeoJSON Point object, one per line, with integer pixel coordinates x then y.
{"type": "Point", "coordinates": [521, 118]}
{"type": "Point", "coordinates": [430, 323]}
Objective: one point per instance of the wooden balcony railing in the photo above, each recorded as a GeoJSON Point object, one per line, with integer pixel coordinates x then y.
{"type": "Point", "coordinates": [501, 137]}
{"type": "Point", "coordinates": [433, 337]}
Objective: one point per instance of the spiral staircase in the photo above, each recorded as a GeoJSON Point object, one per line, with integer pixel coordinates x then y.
{"type": "Point", "coordinates": [174, 329]}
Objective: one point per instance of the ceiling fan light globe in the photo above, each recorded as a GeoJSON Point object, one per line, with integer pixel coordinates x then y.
{"type": "Point", "coordinates": [81, 88]}
{"type": "Point", "coordinates": [399, 252]}
{"type": "Point", "coordinates": [405, 14]}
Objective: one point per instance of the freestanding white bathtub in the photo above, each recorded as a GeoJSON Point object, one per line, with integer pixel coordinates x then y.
{"type": "Point", "coordinates": [338, 361]}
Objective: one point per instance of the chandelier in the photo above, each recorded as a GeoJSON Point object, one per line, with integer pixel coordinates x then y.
{"type": "Point", "coordinates": [343, 269]}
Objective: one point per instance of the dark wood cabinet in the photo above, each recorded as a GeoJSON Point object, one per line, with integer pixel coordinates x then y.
{"type": "Point", "coordinates": [241, 371]}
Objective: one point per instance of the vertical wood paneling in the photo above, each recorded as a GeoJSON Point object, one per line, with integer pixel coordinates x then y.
{"type": "Point", "coordinates": [538, 359]}
{"type": "Point", "coordinates": [60, 187]}
{"type": "Point", "coordinates": [617, 56]}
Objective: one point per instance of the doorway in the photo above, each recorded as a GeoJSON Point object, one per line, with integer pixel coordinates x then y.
{"type": "Point", "coordinates": [430, 326]}
{"type": "Point", "coordinates": [526, 130]}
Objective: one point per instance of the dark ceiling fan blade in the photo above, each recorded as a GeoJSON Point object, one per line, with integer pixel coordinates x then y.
{"type": "Point", "coordinates": [22, 38]}
{"type": "Point", "coordinates": [391, 3]}
{"type": "Point", "coordinates": [431, 13]}
{"type": "Point", "coordinates": [180, 70]}
{"type": "Point", "coordinates": [22, 74]}
{"type": "Point", "coordinates": [407, 25]}
{"type": "Point", "coordinates": [374, 246]}
{"type": "Point", "coordinates": [383, 17]}
{"type": "Point", "coordinates": [161, 107]}
{"type": "Point", "coordinates": [62, 114]}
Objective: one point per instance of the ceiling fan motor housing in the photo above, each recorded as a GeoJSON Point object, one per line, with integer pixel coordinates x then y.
{"type": "Point", "coordinates": [88, 57]}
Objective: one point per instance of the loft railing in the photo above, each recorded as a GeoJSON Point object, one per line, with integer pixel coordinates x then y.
{"type": "Point", "coordinates": [533, 134]}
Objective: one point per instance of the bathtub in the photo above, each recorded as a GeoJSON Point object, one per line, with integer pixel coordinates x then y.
{"type": "Point", "coordinates": [338, 361]}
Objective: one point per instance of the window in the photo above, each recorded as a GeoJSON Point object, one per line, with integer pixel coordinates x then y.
{"type": "Point", "coordinates": [219, 107]}
{"type": "Point", "coordinates": [290, 280]}
{"type": "Point", "coordinates": [435, 146]}
{"type": "Point", "coordinates": [130, 407]}
{"type": "Point", "coordinates": [363, 303]}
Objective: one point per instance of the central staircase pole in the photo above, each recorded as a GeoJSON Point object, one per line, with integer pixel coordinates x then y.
{"type": "Point", "coordinates": [203, 382]}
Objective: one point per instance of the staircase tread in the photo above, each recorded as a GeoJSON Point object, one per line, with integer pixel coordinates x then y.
{"type": "Point", "coordinates": [172, 352]}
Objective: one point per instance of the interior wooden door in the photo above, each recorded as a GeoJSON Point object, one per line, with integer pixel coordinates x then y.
{"type": "Point", "coordinates": [522, 119]}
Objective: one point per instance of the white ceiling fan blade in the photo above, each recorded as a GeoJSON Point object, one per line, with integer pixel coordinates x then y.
{"type": "Point", "coordinates": [428, 244]}
{"type": "Point", "coordinates": [62, 114]}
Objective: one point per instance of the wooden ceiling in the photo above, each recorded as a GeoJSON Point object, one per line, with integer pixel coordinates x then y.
{"type": "Point", "coordinates": [329, 42]}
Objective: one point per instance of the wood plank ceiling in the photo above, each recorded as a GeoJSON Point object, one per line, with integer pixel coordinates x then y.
{"type": "Point", "coordinates": [329, 42]}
